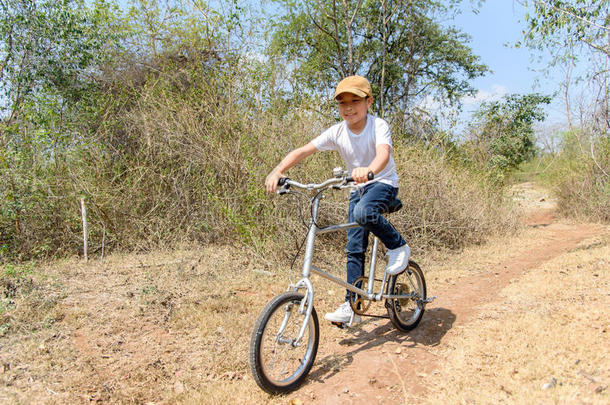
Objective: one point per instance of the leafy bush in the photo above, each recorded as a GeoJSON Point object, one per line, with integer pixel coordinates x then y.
{"type": "Point", "coordinates": [502, 133]}
{"type": "Point", "coordinates": [582, 182]}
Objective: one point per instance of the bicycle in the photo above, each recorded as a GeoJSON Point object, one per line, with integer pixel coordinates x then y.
{"type": "Point", "coordinates": [285, 338]}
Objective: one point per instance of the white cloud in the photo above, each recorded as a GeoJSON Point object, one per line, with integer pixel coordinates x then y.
{"type": "Point", "coordinates": [496, 93]}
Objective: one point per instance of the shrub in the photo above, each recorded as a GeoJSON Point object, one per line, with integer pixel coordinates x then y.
{"type": "Point", "coordinates": [175, 151]}
{"type": "Point", "coordinates": [447, 205]}
{"type": "Point", "coordinates": [583, 183]}
{"type": "Point", "coordinates": [579, 179]}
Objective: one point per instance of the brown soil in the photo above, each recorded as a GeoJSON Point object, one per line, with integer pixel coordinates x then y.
{"type": "Point", "coordinates": [376, 364]}
{"type": "Point", "coordinates": [174, 328]}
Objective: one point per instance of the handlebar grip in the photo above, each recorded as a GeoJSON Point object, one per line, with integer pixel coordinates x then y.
{"type": "Point", "coordinates": [369, 176]}
{"type": "Point", "coordinates": [282, 181]}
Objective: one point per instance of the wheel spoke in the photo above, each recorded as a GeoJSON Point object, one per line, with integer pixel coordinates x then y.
{"type": "Point", "coordinates": [405, 313]}
{"type": "Point", "coordinates": [277, 364]}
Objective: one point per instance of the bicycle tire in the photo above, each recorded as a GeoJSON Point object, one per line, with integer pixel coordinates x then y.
{"type": "Point", "coordinates": [406, 314]}
{"type": "Point", "coordinates": [264, 343]}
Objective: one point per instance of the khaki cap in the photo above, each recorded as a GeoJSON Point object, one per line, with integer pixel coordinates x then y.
{"type": "Point", "coordinates": [357, 85]}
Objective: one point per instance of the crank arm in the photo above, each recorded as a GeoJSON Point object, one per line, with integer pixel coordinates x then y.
{"type": "Point", "coordinates": [428, 300]}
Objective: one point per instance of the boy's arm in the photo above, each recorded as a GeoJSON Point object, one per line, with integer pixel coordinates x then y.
{"type": "Point", "coordinates": [382, 157]}
{"type": "Point", "coordinates": [291, 159]}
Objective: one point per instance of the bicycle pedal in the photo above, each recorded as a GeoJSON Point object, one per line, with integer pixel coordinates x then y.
{"type": "Point", "coordinates": [429, 299]}
{"type": "Point", "coordinates": [339, 325]}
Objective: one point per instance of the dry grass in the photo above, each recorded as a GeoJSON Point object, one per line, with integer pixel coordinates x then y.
{"type": "Point", "coordinates": [175, 168]}
{"type": "Point", "coordinates": [174, 327]}
{"type": "Point", "coordinates": [550, 325]}
{"type": "Point", "coordinates": [447, 206]}
{"type": "Point", "coordinates": [132, 329]}
{"type": "Point", "coordinates": [158, 328]}
{"type": "Point", "coordinates": [584, 193]}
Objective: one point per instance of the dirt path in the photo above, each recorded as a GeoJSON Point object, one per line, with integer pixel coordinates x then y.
{"type": "Point", "coordinates": [375, 364]}
{"type": "Point", "coordinates": [155, 328]}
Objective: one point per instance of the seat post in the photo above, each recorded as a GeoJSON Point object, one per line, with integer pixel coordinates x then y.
{"type": "Point", "coordinates": [373, 264]}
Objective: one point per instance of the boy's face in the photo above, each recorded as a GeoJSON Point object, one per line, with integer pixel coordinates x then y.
{"type": "Point", "coordinates": [353, 110]}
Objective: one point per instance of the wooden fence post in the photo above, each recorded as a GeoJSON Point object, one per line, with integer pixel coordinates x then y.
{"type": "Point", "coordinates": [83, 210]}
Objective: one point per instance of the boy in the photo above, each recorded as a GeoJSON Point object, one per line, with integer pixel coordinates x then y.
{"type": "Point", "coordinates": [364, 143]}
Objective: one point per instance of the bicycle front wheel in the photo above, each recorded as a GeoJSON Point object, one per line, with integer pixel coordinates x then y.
{"type": "Point", "coordinates": [405, 313]}
{"type": "Point", "coordinates": [278, 363]}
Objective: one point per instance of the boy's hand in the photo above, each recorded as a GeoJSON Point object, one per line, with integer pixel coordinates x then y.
{"type": "Point", "coordinates": [271, 181]}
{"type": "Point", "coordinates": [360, 174]}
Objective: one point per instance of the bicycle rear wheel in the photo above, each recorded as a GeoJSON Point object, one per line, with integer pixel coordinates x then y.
{"type": "Point", "coordinates": [405, 313]}
{"type": "Point", "coordinates": [277, 364]}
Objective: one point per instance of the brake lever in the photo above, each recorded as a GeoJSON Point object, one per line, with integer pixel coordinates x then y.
{"type": "Point", "coordinates": [283, 182]}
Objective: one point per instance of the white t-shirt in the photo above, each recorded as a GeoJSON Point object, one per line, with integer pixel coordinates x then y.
{"type": "Point", "coordinates": [359, 150]}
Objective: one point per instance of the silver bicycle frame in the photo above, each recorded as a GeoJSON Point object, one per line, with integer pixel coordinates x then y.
{"type": "Point", "coordinates": [307, 304]}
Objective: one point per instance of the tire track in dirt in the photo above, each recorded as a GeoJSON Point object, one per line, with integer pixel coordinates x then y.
{"type": "Point", "coordinates": [379, 365]}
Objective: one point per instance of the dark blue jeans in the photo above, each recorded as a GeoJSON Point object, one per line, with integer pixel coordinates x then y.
{"type": "Point", "coordinates": [365, 208]}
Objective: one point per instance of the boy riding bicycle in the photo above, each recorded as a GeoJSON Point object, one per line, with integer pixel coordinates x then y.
{"type": "Point", "coordinates": [365, 144]}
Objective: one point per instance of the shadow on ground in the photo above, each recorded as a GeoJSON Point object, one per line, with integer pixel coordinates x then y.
{"type": "Point", "coordinates": [434, 325]}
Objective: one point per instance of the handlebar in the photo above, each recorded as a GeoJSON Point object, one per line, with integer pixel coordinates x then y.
{"type": "Point", "coordinates": [338, 182]}
{"type": "Point", "coordinates": [369, 176]}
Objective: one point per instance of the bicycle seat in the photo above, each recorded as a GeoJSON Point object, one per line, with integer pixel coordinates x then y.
{"type": "Point", "coordinates": [394, 206]}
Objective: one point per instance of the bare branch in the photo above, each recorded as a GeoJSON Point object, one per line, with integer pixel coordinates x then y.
{"type": "Point", "coordinates": [334, 37]}
{"type": "Point", "coordinates": [351, 20]}
{"type": "Point", "coordinates": [339, 50]}
{"type": "Point", "coordinates": [564, 11]}
{"type": "Point", "coordinates": [392, 12]}
{"type": "Point", "coordinates": [349, 32]}
{"type": "Point", "coordinates": [568, 12]}
{"type": "Point", "coordinates": [599, 48]}
{"type": "Point", "coordinates": [592, 147]}
{"type": "Point", "coordinates": [319, 26]}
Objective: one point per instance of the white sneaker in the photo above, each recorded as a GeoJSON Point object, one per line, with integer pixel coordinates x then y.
{"type": "Point", "coordinates": [398, 259]}
{"type": "Point", "coordinates": [342, 314]}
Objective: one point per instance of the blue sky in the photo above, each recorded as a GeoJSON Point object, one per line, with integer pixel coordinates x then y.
{"type": "Point", "coordinates": [500, 23]}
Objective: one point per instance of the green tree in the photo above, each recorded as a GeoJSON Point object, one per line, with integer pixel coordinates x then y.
{"type": "Point", "coordinates": [51, 53]}
{"type": "Point", "coordinates": [573, 30]}
{"type": "Point", "coordinates": [502, 132]}
{"type": "Point", "coordinates": [562, 24]}
{"type": "Point", "coordinates": [48, 46]}
{"type": "Point", "coordinates": [399, 45]}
